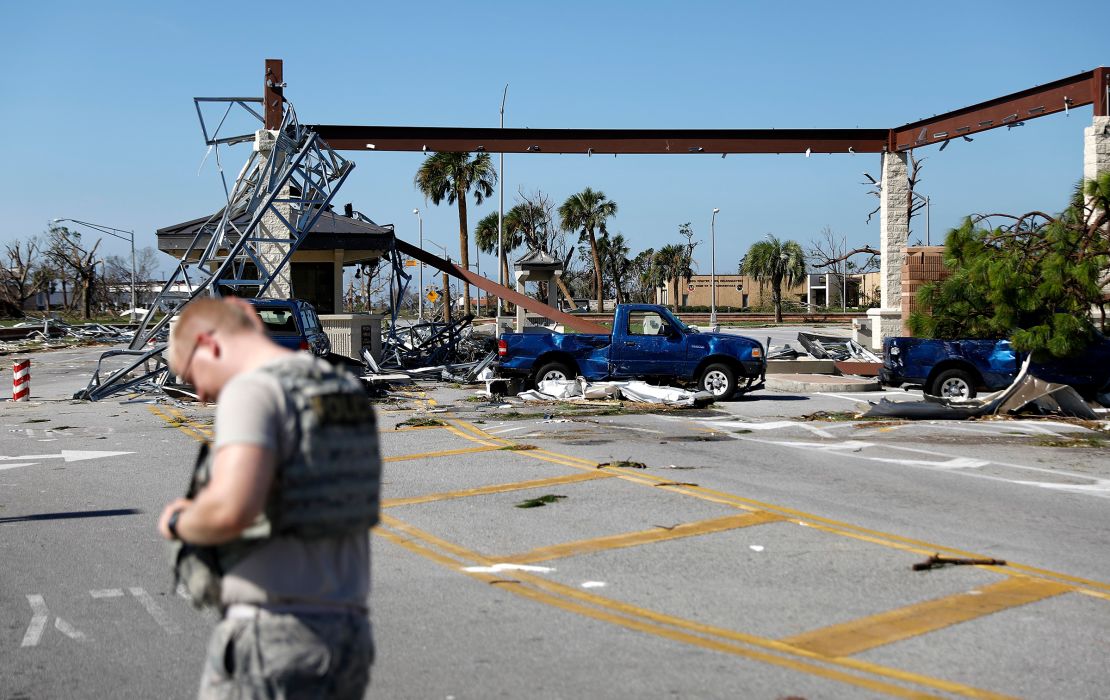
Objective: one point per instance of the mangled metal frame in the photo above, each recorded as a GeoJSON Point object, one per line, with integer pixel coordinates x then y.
{"type": "Point", "coordinates": [300, 171]}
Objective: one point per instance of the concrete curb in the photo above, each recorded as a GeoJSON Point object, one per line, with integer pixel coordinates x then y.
{"type": "Point", "coordinates": [820, 382]}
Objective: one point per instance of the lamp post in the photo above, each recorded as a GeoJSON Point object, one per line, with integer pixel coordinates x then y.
{"type": "Point", "coordinates": [927, 204]}
{"type": "Point", "coordinates": [500, 218]}
{"type": "Point", "coordinates": [116, 233]}
{"type": "Point", "coordinates": [446, 283]}
{"type": "Point", "coordinates": [420, 296]}
{"type": "Point", "coordinates": [713, 270]}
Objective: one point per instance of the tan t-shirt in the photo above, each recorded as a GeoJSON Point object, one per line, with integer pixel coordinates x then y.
{"type": "Point", "coordinates": [286, 570]}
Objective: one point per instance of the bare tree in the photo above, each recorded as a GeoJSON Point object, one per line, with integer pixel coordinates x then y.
{"type": "Point", "coordinates": [914, 176]}
{"type": "Point", "coordinates": [20, 279]}
{"type": "Point", "coordinates": [68, 253]}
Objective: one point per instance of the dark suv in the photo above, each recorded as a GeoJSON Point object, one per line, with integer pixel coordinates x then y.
{"type": "Point", "coordinates": [293, 324]}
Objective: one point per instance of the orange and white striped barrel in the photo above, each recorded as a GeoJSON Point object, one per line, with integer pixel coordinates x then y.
{"type": "Point", "coordinates": [21, 380]}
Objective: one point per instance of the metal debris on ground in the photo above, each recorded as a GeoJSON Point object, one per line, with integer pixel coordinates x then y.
{"type": "Point", "coordinates": [830, 347]}
{"type": "Point", "coordinates": [540, 502]}
{"type": "Point", "coordinates": [936, 561]}
{"type": "Point", "coordinates": [579, 390]}
{"type": "Point", "coordinates": [621, 463]}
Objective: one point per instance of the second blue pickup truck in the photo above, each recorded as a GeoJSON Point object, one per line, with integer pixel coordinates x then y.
{"type": "Point", "coordinates": [957, 369]}
{"type": "Point", "coordinates": [648, 342]}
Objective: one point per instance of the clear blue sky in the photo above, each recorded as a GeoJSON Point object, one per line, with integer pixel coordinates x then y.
{"type": "Point", "coordinates": [99, 123]}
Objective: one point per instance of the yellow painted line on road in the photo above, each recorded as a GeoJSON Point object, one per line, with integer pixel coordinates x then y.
{"type": "Point", "coordinates": [1097, 589]}
{"type": "Point", "coordinates": [410, 428]}
{"type": "Point", "coordinates": [206, 430]}
{"type": "Point", "coordinates": [442, 453]}
{"type": "Point", "coordinates": [176, 423]}
{"type": "Point", "coordinates": [878, 678]}
{"type": "Point", "coordinates": [496, 488]}
{"type": "Point", "coordinates": [895, 625]}
{"type": "Point", "coordinates": [634, 539]}
{"type": "Point", "coordinates": [490, 441]}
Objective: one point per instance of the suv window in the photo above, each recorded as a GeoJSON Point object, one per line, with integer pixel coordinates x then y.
{"type": "Point", "coordinates": [309, 320]}
{"type": "Point", "coordinates": [278, 320]}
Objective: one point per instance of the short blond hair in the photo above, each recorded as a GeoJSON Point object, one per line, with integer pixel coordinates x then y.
{"type": "Point", "coordinates": [229, 315]}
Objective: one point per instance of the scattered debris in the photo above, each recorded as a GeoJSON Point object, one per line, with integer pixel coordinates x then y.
{"type": "Point", "coordinates": [540, 502]}
{"type": "Point", "coordinates": [622, 464]}
{"type": "Point", "coordinates": [579, 390]}
{"type": "Point", "coordinates": [419, 422]}
{"type": "Point", "coordinates": [675, 483]}
{"type": "Point", "coordinates": [936, 561]}
{"type": "Point", "coordinates": [519, 447]}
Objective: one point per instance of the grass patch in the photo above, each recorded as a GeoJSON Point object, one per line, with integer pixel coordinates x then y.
{"type": "Point", "coordinates": [517, 447]}
{"type": "Point", "coordinates": [540, 502]}
{"type": "Point", "coordinates": [37, 420]}
{"type": "Point", "coordinates": [419, 422]}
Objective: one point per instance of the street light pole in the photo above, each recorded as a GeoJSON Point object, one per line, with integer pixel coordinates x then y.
{"type": "Point", "coordinates": [501, 219]}
{"type": "Point", "coordinates": [420, 295]}
{"type": "Point", "coordinates": [115, 233]}
{"type": "Point", "coordinates": [713, 270]}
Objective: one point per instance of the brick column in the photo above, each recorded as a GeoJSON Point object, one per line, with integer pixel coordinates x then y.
{"type": "Point", "coordinates": [271, 254]}
{"type": "Point", "coordinates": [894, 231]}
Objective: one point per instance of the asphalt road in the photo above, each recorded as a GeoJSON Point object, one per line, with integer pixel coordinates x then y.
{"type": "Point", "coordinates": [754, 553]}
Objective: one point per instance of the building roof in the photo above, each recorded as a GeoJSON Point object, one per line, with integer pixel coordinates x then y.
{"type": "Point", "coordinates": [331, 231]}
{"type": "Point", "coordinates": [537, 259]}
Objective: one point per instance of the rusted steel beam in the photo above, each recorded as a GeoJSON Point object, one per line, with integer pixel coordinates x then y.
{"type": "Point", "coordinates": [1102, 92]}
{"type": "Point", "coordinates": [489, 286]}
{"type": "Point", "coordinates": [273, 94]}
{"type": "Point", "coordinates": [1009, 110]}
{"type": "Point", "coordinates": [602, 141]}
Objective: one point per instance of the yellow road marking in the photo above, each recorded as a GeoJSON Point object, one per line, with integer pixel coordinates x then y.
{"type": "Point", "coordinates": [1098, 589]}
{"type": "Point", "coordinates": [177, 423]}
{"type": "Point", "coordinates": [202, 429]}
{"type": "Point", "coordinates": [895, 625]}
{"type": "Point", "coordinates": [677, 629]}
{"type": "Point", "coordinates": [633, 539]}
{"type": "Point", "coordinates": [496, 488]}
{"type": "Point", "coordinates": [442, 453]}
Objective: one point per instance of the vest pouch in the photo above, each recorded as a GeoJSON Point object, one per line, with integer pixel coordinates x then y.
{"type": "Point", "coordinates": [196, 571]}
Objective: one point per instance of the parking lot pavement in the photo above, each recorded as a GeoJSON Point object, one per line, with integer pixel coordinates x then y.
{"type": "Point", "coordinates": [743, 550]}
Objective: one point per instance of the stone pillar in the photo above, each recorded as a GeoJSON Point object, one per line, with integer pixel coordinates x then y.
{"type": "Point", "coordinates": [553, 289]}
{"type": "Point", "coordinates": [271, 254]}
{"type": "Point", "coordinates": [894, 231]}
{"type": "Point", "coordinates": [1096, 148]}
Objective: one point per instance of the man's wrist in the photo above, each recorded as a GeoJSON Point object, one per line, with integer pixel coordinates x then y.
{"type": "Point", "coordinates": [171, 524]}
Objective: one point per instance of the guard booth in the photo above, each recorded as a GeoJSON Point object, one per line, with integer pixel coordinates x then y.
{"type": "Point", "coordinates": [536, 266]}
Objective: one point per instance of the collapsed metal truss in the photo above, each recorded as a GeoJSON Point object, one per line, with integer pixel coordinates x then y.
{"type": "Point", "coordinates": [291, 181]}
{"type": "Point", "coordinates": [300, 172]}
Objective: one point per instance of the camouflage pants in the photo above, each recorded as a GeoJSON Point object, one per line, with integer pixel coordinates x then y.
{"type": "Point", "coordinates": [284, 656]}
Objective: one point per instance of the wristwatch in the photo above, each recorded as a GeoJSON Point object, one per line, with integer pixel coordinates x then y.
{"type": "Point", "coordinates": [171, 524]}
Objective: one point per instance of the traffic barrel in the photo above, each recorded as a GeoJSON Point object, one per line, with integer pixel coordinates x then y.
{"type": "Point", "coordinates": [21, 380]}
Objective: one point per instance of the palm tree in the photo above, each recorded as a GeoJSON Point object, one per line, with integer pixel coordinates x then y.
{"type": "Point", "coordinates": [485, 233]}
{"type": "Point", "coordinates": [773, 262]}
{"type": "Point", "coordinates": [587, 212]}
{"type": "Point", "coordinates": [616, 263]}
{"type": "Point", "coordinates": [667, 265]}
{"type": "Point", "coordinates": [451, 176]}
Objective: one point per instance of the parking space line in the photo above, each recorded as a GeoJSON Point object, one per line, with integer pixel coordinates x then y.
{"type": "Point", "coordinates": [895, 625]}
{"type": "Point", "coordinates": [496, 488]}
{"type": "Point", "coordinates": [634, 539]}
{"type": "Point", "coordinates": [878, 678]}
{"type": "Point", "coordinates": [442, 453]}
{"type": "Point", "coordinates": [107, 593]}
{"type": "Point", "coordinates": [1086, 586]}
{"type": "Point", "coordinates": [160, 616]}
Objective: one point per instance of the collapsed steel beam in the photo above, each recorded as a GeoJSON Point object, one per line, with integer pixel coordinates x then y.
{"type": "Point", "coordinates": [489, 286]}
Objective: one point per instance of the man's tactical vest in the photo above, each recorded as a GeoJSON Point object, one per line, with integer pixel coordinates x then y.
{"type": "Point", "coordinates": [329, 486]}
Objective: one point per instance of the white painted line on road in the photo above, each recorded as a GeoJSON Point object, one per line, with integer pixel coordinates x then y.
{"type": "Point", "coordinates": [1100, 487]}
{"type": "Point", "coordinates": [770, 425]}
{"type": "Point", "coordinates": [593, 584]}
{"type": "Point", "coordinates": [850, 445]}
{"type": "Point", "coordinates": [862, 396]}
{"type": "Point", "coordinates": [755, 547]}
{"type": "Point", "coordinates": [107, 593]}
{"type": "Point", "coordinates": [507, 430]}
{"type": "Point", "coordinates": [69, 630]}
{"type": "Point", "coordinates": [160, 616]}
{"type": "Point", "coordinates": [39, 616]}
{"type": "Point", "coordinates": [507, 567]}
{"type": "Point", "coordinates": [69, 455]}
{"type": "Point", "coordinates": [642, 430]}
{"type": "Point", "coordinates": [15, 465]}
{"type": "Point", "coordinates": [954, 463]}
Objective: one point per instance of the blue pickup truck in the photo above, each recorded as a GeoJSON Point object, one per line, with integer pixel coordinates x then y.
{"type": "Point", "coordinates": [648, 343]}
{"type": "Point", "coordinates": [957, 369]}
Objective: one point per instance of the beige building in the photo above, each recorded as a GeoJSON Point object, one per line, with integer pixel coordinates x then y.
{"type": "Point", "coordinates": [741, 292]}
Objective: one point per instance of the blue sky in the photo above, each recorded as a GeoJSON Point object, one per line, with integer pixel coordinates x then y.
{"type": "Point", "coordinates": [99, 122]}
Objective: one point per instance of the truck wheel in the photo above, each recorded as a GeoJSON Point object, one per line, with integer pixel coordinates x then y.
{"type": "Point", "coordinates": [718, 379]}
{"type": "Point", "coordinates": [554, 370]}
{"type": "Point", "coordinates": [956, 384]}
